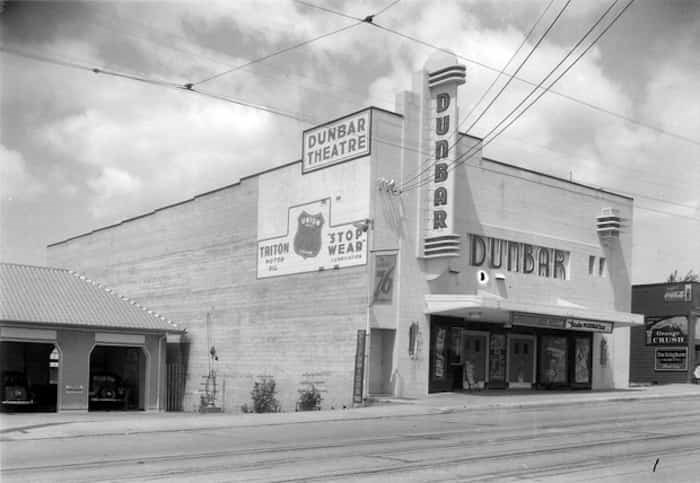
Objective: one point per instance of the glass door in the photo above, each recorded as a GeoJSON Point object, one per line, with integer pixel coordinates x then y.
{"type": "Point", "coordinates": [474, 352]}
{"type": "Point", "coordinates": [582, 361]}
{"type": "Point", "coordinates": [521, 361]}
{"type": "Point", "coordinates": [554, 360]}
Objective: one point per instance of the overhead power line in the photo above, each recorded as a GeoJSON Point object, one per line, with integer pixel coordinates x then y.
{"type": "Point", "coordinates": [151, 81]}
{"type": "Point", "coordinates": [522, 64]}
{"type": "Point", "coordinates": [563, 95]}
{"type": "Point", "coordinates": [475, 149]}
{"type": "Point", "coordinates": [556, 93]}
{"type": "Point", "coordinates": [178, 86]}
{"type": "Point", "coordinates": [275, 53]}
{"type": "Point", "coordinates": [358, 21]}
{"type": "Point", "coordinates": [498, 94]}
{"type": "Point", "coordinates": [182, 45]}
{"type": "Point", "coordinates": [168, 84]}
{"type": "Point", "coordinates": [512, 57]}
{"type": "Point", "coordinates": [326, 9]}
{"type": "Point", "coordinates": [379, 12]}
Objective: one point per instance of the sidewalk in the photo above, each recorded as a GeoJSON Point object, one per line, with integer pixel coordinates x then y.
{"type": "Point", "coordinates": [68, 425]}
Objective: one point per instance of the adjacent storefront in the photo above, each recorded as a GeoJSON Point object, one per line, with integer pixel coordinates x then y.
{"type": "Point", "coordinates": [667, 348]}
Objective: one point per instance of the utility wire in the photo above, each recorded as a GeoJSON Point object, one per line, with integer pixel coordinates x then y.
{"type": "Point", "coordinates": [556, 93]}
{"type": "Point", "coordinates": [512, 57]}
{"type": "Point", "coordinates": [75, 65]}
{"type": "Point", "coordinates": [522, 64]}
{"type": "Point", "coordinates": [503, 88]}
{"type": "Point", "coordinates": [610, 164]}
{"type": "Point", "coordinates": [358, 21]}
{"type": "Point", "coordinates": [180, 87]}
{"type": "Point", "coordinates": [260, 107]}
{"type": "Point", "coordinates": [275, 53]}
{"type": "Point", "coordinates": [379, 12]}
{"type": "Point", "coordinates": [568, 97]}
{"type": "Point", "coordinates": [177, 86]}
{"type": "Point", "coordinates": [174, 40]}
{"type": "Point", "coordinates": [145, 80]}
{"type": "Point", "coordinates": [329, 10]}
{"type": "Point", "coordinates": [475, 149]}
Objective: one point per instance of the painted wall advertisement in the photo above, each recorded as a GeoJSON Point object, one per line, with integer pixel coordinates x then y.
{"type": "Point", "coordinates": [666, 330]}
{"type": "Point", "coordinates": [671, 359]}
{"type": "Point", "coordinates": [341, 140]}
{"type": "Point", "coordinates": [384, 268]}
{"type": "Point", "coordinates": [312, 243]}
{"type": "Point", "coordinates": [679, 293]}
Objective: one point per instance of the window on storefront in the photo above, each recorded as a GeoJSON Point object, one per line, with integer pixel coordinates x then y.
{"type": "Point", "coordinates": [582, 360]}
{"type": "Point", "coordinates": [554, 357]}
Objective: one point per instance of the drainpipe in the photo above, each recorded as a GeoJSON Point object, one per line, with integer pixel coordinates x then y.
{"type": "Point", "coordinates": [161, 367]}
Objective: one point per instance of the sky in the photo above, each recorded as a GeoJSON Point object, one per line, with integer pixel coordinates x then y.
{"type": "Point", "coordinates": [80, 150]}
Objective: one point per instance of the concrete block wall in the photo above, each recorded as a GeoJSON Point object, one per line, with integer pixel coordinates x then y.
{"type": "Point", "coordinates": [515, 204]}
{"type": "Point", "coordinates": [195, 263]}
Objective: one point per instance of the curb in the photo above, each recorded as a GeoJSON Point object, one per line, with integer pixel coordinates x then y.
{"type": "Point", "coordinates": [395, 409]}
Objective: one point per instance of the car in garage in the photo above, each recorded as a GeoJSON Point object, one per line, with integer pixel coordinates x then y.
{"type": "Point", "coordinates": [107, 391]}
{"type": "Point", "coordinates": [15, 390]}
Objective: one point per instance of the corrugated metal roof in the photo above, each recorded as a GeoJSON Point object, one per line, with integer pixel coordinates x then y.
{"type": "Point", "coordinates": [57, 296]}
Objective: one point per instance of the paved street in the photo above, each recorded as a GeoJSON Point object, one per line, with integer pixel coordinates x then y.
{"type": "Point", "coordinates": [606, 441]}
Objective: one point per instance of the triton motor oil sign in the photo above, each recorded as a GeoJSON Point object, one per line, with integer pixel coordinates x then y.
{"type": "Point", "coordinates": [312, 243]}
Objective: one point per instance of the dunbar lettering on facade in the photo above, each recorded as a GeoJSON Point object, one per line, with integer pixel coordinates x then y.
{"type": "Point", "coordinates": [478, 278]}
{"type": "Point", "coordinates": [517, 257]}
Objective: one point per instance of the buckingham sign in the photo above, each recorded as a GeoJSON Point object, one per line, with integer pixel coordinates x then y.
{"type": "Point", "coordinates": [338, 141]}
{"type": "Point", "coordinates": [554, 322]}
{"type": "Point", "coordinates": [589, 325]}
{"type": "Point", "coordinates": [312, 243]}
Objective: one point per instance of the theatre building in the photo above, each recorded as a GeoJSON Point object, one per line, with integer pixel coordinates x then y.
{"type": "Point", "coordinates": [392, 258]}
{"type": "Point", "coordinates": [667, 348]}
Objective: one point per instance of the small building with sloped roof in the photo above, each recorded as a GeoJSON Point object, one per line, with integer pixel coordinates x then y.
{"type": "Point", "coordinates": [70, 343]}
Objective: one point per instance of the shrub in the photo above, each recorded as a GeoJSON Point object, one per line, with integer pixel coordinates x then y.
{"type": "Point", "coordinates": [263, 396]}
{"type": "Point", "coordinates": [309, 399]}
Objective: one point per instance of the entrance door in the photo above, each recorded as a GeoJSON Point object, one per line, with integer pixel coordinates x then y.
{"type": "Point", "coordinates": [474, 351]}
{"type": "Point", "coordinates": [521, 361]}
{"type": "Point", "coordinates": [381, 350]}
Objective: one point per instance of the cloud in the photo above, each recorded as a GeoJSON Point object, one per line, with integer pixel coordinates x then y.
{"type": "Point", "coordinates": [15, 179]}
{"type": "Point", "coordinates": [168, 148]}
{"type": "Point", "coordinates": [128, 147]}
{"type": "Point", "coordinates": [111, 186]}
